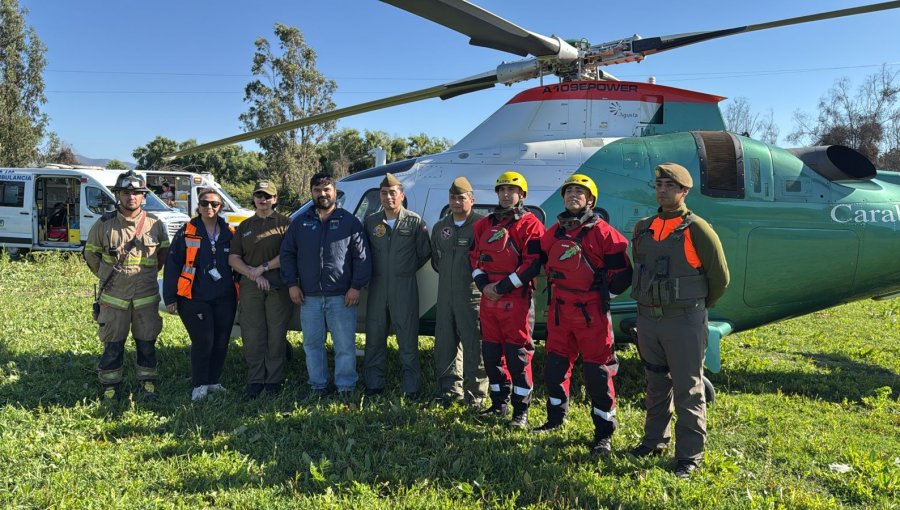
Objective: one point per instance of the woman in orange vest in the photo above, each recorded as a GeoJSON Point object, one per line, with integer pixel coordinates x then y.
{"type": "Point", "coordinates": [198, 284]}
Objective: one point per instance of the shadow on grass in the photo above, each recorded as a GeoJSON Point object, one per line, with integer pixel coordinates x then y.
{"type": "Point", "coordinates": [840, 378]}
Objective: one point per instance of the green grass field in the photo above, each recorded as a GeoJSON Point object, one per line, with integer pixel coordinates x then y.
{"type": "Point", "coordinates": [807, 416]}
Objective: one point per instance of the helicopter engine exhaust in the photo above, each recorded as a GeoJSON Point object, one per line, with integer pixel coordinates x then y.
{"type": "Point", "coordinates": [836, 162]}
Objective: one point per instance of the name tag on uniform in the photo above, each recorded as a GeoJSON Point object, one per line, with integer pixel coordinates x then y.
{"type": "Point", "coordinates": [309, 224]}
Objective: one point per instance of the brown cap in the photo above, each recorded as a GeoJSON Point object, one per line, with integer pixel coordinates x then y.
{"type": "Point", "coordinates": [389, 180]}
{"type": "Point", "coordinates": [461, 186]}
{"type": "Point", "coordinates": [676, 172]}
{"type": "Point", "coordinates": [266, 186]}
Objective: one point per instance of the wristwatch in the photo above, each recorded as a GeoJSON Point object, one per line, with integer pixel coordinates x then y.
{"type": "Point", "coordinates": [265, 265]}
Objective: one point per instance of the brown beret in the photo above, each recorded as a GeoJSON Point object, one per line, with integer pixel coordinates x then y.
{"type": "Point", "coordinates": [676, 172]}
{"type": "Point", "coordinates": [460, 186]}
{"type": "Point", "coordinates": [389, 181]}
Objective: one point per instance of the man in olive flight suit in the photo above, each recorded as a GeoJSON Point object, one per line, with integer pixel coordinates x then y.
{"type": "Point", "coordinates": [679, 272]}
{"type": "Point", "coordinates": [459, 375]}
{"type": "Point", "coordinates": [398, 240]}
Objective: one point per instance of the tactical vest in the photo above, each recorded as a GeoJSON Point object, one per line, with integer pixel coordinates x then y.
{"type": "Point", "coordinates": [497, 254]}
{"type": "Point", "coordinates": [662, 274]}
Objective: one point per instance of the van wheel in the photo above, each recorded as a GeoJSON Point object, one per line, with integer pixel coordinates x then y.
{"type": "Point", "coordinates": [16, 253]}
{"type": "Point", "coordinates": [709, 391]}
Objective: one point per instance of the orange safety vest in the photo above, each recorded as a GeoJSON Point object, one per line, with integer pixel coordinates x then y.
{"type": "Point", "coordinates": [188, 271]}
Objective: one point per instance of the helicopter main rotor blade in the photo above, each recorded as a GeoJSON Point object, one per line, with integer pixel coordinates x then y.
{"type": "Point", "coordinates": [445, 91]}
{"type": "Point", "coordinates": [486, 29]}
{"type": "Point", "coordinates": [653, 45]}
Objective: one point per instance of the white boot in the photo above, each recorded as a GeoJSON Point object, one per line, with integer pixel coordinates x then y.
{"type": "Point", "coordinates": [199, 393]}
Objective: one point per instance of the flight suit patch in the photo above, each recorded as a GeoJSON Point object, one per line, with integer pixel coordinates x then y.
{"type": "Point", "coordinates": [446, 232]}
{"type": "Point", "coordinates": [379, 230]}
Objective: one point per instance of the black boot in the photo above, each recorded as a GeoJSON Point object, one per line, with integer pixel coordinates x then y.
{"type": "Point", "coordinates": [602, 445]}
{"type": "Point", "coordinates": [520, 417]}
{"type": "Point", "coordinates": [499, 404]}
{"type": "Point", "coordinates": [556, 418]}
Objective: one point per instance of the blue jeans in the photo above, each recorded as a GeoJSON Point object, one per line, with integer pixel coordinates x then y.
{"type": "Point", "coordinates": [319, 314]}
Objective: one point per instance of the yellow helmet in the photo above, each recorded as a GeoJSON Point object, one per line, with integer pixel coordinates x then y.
{"type": "Point", "coordinates": [581, 180]}
{"type": "Point", "coordinates": [510, 178]}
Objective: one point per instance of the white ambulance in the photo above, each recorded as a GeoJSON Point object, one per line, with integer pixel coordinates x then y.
{"type": "Point", "coordinates": [54, 208]}
{"type": "Point", "coordinates": [184, 185]}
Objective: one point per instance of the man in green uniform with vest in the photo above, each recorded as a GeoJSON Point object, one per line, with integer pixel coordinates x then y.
{"type": "Point", "coordinates": [459, 375]}
{"type": "Point", "coordinates": [125, 250]}
{"type": "Point", "coordinates": [398, 240]}
{"type": "Point", "coordinates": [679, 272]}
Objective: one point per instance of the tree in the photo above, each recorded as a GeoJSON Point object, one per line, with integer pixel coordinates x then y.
{"type": "Point", "coordinates": [66, 157]}
{"type": "Point", "coordinates": [739, 118]}
{"type": "Point", "coordinates": [346, 151]}
{"type": "Point", "coordinates": [22, 124]}
{"type": "Point", "coordinates": [230, 163]}
{"type": "Point", "coordinates": [422, 144]}
{"type": "Point", "coordinates": [288, 87]}
{"type": "Point", "coordinates": [868, 121]}
{"type": "Point", "coordinates": [115, 164]}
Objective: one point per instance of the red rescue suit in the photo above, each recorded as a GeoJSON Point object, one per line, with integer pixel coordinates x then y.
{"type": "Point", "coordinates": [584, 265]}
{"type": "Point", "coordinates": [507, 251]}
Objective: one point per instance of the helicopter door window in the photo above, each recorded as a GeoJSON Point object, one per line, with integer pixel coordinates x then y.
{"type": "Point", "coordinates": [371, 204]}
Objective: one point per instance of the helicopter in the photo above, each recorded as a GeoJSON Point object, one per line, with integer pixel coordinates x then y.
{"type": "Point", "coordinates": [803, 229]}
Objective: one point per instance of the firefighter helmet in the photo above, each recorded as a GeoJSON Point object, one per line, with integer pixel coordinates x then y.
{"type": "Point", "coordinates": [510, 178]}
{"type": "Point", "coordinates": [131, 181]}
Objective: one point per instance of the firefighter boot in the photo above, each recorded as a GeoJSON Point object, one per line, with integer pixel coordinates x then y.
{"type": "Point", "coordinates": [146, 368]}
{"type": "Point", "coordinates": [109, 371]}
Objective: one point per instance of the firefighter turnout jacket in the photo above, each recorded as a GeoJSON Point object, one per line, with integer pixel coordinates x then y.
{"type": "Point", "coordinates": [137, 268]}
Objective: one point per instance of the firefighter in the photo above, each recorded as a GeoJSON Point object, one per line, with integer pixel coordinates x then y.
{"type": "Point", "coordinates": [680, 271]}
{"type": "Point", "coordinates": [398, 239]}
{"type": "Point", "coordinates": [460, 376]}
{"type": "Point", "coordinates": [586, 266]}
{"type": "Point", "coordinates": [505, 258]}
{"type": "Point", "coordinates": [126, 250]}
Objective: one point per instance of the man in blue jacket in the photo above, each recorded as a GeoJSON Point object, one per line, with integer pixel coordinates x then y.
{"type": "Point", "coordinates": [336, 265]}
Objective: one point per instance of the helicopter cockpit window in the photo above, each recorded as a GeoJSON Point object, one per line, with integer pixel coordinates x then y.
{"type": "Point", "coordinates": [721, 164]}
{"type": "Point", "coordinates": [371, 203]}
{"type": "Point", "coordinates": [485, 209]}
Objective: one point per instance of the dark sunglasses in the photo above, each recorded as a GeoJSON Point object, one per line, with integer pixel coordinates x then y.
{"type": "Point", "coordinates": [263, 196]}
{"type": "Point", "coordinates": [207, 203]}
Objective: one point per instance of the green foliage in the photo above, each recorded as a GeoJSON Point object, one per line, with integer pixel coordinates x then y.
{"type": "Point", "coordinates": [288, 86]}
{"type": "Point", "coordinates": [230, 163]}
{"type": "Point", "coordinates": [115, 164]}
{"type": "Point", "coordinates": [347, 151]}
{"type": "Point", "coordinates": [806, 416]}
{"type": "Point", "coordinates": [22, 124]}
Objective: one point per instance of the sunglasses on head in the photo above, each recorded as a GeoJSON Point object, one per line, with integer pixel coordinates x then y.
{"type": "Point", "coordinates": [208, 203]}
{"type": "Point", "coordinates": [263, 195]}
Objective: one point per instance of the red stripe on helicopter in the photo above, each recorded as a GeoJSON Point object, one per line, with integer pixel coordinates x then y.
{"type": "Point", "coordinates": [617, 90]}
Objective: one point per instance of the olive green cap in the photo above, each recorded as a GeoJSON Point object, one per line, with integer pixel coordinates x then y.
{"type": "Point", "coordinates": [461, 186]}
{"type": "Point", "coordinates": [267, 187]}
{"type": "Point", "coordinates": [389, 181]}
{"type": "Point", "coordinates": [676, 172]}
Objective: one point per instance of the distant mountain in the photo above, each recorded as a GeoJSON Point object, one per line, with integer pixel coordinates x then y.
{"type": "Point", "coordinates": [84, 160]}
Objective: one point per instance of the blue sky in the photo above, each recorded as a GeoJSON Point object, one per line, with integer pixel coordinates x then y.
{"type": "Point", "coordinates": [121, 72]}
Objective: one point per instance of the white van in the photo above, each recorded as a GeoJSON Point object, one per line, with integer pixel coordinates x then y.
{"type": "Point", "coordinates": [54, 208]}
{"type": "Point", "coordinates": [186, 185]}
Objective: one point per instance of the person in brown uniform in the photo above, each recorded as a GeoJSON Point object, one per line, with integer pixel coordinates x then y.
{"type": "Point", "coordinates": [679, 272]}
{"type": "Point", "coordinates": [266, 306]}
{"type": "Point", "coordinates": [460, 375]}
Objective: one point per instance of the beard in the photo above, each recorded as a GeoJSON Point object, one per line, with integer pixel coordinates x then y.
{"type": "Point", "coordinates": [324, 203]}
